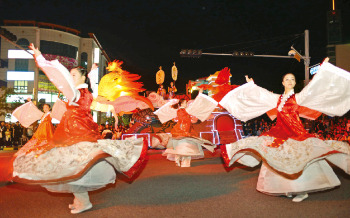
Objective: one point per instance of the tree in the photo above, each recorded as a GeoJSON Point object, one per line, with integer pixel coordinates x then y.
{"type": "Point", "coordinates": [5, 107]}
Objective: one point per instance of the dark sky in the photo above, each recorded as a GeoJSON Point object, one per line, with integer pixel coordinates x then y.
{"type": "Point", "coordinates": [149, 34]}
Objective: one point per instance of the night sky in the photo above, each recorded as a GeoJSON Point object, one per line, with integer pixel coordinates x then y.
{"type": "Point", "coordinates": [149, 34]}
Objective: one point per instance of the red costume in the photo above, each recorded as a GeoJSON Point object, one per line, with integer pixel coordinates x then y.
{"type": "Point", "coordinates": [184, 125]}
{"type": "Point", "coordinates": [294, 161]}
{"type": "Point", "coordinates": [288, 124]}
{"type": "Point", "coordinates": [75, 149]}
{"type": "Point", "coordinates": [45, 130]}
{"type": "Point", "coordinates": [75, 161]}
{"type": "Point", "coordinates": [77, 123]}
{"type": "Point", "coordinates": [185, 144]}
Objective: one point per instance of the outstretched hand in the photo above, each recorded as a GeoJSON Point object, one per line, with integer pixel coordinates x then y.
{"type": "Point", "coordinates": [248, 79]}
{"type": "Point", "coordinates": [94, 66]}
{"type": "Point", "coordinates": [35, 50]}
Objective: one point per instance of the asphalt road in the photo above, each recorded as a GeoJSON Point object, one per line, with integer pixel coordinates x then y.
{"type": "Point", "coordinates": [207, 189]}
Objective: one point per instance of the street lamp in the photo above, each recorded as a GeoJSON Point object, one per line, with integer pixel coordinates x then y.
{"type": "Point", "coordinates": [291, 54]}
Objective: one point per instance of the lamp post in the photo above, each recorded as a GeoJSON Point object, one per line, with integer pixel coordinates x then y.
{"type": "Point", "coordinates": [193, 53]}
{"type": "Point", "coordinates": [305, 57]}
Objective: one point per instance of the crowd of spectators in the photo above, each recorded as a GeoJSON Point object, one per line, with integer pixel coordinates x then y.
{"type": "Point", "coordinates": [111, 132]}
{"type": "Point", "coordinates": [13, 135]}
{"type": "Point", "coordinates": [328, 128]}
{"type": "Point", "coordinates": [332, 129]}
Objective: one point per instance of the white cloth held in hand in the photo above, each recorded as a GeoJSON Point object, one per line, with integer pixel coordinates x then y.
{"type": "Point", "coordinates": [27, 114]}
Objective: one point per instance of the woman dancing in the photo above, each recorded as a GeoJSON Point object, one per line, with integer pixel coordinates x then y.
{"type": "Point", "coordinates": [45, 129]}
{"type": "Point", "coordinates": [75, 160]}
{"type": "Point", "coordinates": [294, 161]}
{"type": "Point", "coordinates": [184, 144]}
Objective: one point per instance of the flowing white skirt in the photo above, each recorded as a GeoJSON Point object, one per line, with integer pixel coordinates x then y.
{"type": "Point", "coordinates": [81, 167]}
{"type": "Point", "coordinates": [101, 174]}
{"type": "Point", "coordinates": [316, 177]}
{"type": "Point", "coordinates": [294, 167]}
{"type": "Point", "coordinates": [187, 147]}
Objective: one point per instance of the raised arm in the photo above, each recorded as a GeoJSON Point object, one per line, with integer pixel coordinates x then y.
{"type": "Point", "coordinates": [27, 114]}
{"type": "Point", "coordinates": [36, 51]}
{"type": "Point", "coordinates": [166, 112]}
{"type": "Point", "coordinates": [202, 106]}
{"type": "Point", "coordinates": [248, 79]}
{"type": "Point", "coordinates": [328, 91]}
{"type": "Point", "coordinates": [249, 101]}
{"type": "Point", "coordinates": [57, 74]}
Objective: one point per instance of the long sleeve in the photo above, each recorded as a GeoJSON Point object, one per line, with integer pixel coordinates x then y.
{"type": "Point", "coordinates": [58, 109]}
{"type": "Point", "coordinates": [328, 92]}
{"type": "Point", "coordinates": [202, 107]}
{"type": "Point", "coordinates": [59, 76]}
{"type": "Point", "coordinates": [249, 101]}
{"type": "Point", "coordinates": [27, 114]}
{"type": "Point", "coordinates": [93, 76]}
{"type": "Point", "coordinates": [166, 112]}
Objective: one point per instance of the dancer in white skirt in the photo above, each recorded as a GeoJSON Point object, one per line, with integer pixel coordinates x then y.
{"type": "Point", "coordinates": [294, 161]}
{"type": "Point", "coordinates": [75, 160]}
{"type": "Point", "coordinates": [185, 144]}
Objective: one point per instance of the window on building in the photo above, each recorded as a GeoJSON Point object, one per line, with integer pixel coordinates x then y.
{"type": "Point", "coordinates": [56, 48]}
{"type": "Point", "coordinates": [21, 86]}
{"type": "Point", "coordinates": [23, 42]}
{"type": "Point", "coordinates": [4, 63]}
{"type": "Point", "coordinates": [21, 64]}
{"type": "Point", "coordinates": [84, 59]}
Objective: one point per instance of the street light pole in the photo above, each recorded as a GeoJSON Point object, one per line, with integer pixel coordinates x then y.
{"type": "Point", "coordinates": [36, 68]}
{"type": "Point", "coordinates": [264, 56]}
{"type": "Point", "coordinates": [291, 54]}
{"type": "Point", "coordinates": [307, 57]}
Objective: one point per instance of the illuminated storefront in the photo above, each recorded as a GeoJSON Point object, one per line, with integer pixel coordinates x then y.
{"type": "Point", "coordinates": [18, 69]}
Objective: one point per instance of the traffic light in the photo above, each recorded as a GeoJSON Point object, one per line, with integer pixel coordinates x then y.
{"type": "Point", "coordinates": [243, 54]}
{"type": "Point", "coordinates": [191, 53]}
{"type": "Point", "coordinates": [10, 36]}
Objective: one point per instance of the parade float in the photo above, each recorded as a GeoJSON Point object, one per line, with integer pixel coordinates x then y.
{"type": "Point", "coordinates": [219, 128]}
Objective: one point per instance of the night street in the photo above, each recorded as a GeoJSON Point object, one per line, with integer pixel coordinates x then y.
{"type": "Point", "coordinates": [163, 190]}
{"type": "Point", "coordinates": [250, 98]}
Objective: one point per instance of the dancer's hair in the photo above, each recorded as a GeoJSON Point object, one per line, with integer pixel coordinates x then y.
{"type": "Point", "coordinates": [288, 74]}
{"type": "Point", "coordinates": [177, 105]}
{"type": "Point", "coordinates": [83, 72]}
{"type": "Point", "coordinates": [48, 106]}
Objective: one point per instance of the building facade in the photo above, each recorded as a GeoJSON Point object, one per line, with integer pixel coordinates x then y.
{"type": "Point", "coordinates": [338, 50]}
{"type": "Point", "coordinates": [18, 69]}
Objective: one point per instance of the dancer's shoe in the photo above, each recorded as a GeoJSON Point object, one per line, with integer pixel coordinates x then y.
{"type": "Point", "coordinates": [83, 202]}
{"type": "Point", "coordinates": [74, 205]}
{"type": "Point", "coordinates": [81, 209]}
{"type": "Point", "coordinates": [300, 198]}
{"type": "Point", "coordinates": [186, 162]}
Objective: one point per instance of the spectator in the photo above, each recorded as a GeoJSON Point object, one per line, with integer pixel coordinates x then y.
{"type": "Point", "coordinates": [17, 134]}
{"type": "Point", "coordinates": [348, 126]}
{"type": "Point", "coordinates": [101, 128]}
{"type": "Point", "coordinates": [108, 135]}
{"type": "Point", "coordinates": [8, 134]}
{"type": "Point", "coordinates": [117, 134]}
{"type": "Point", "coordinates": [105, 132]}
{"type": "Point", "coordinates": [2, 135]}
{"type": "Point", "coordinates": [30, 131]}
